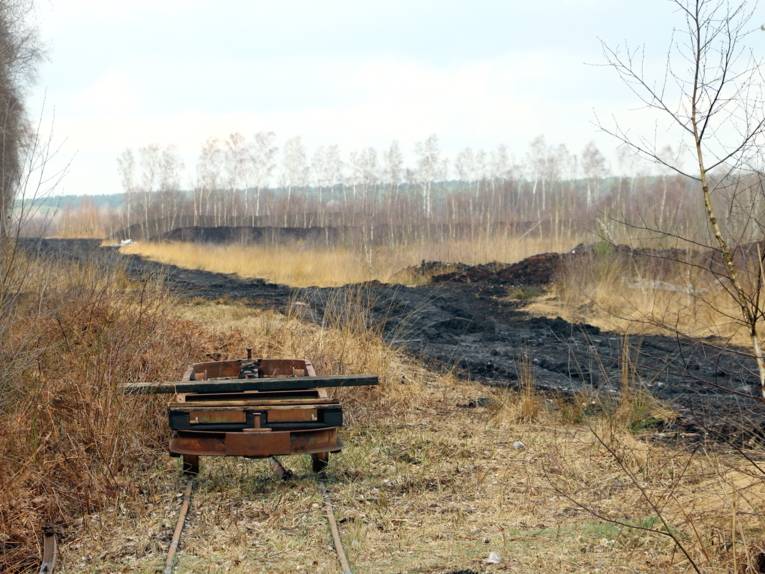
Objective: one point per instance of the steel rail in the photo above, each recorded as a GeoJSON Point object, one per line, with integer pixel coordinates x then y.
{"type": "Point", "coordinates": [281, 471]}
{"type": "Point", "coordinates": [50, 550]}
{"type": "Point", "coordinates": [285, 474]}
{"type": "Point", "coordinates": [339, 550]}
{"type": "Point", "coordinates": [170, 562]}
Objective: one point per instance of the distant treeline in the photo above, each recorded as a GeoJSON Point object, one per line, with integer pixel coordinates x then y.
{"type": "Point", "coordinates": [562, 208]}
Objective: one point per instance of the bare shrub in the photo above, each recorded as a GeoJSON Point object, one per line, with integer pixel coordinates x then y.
{"type": "Point", "coordinates": [70, 439]}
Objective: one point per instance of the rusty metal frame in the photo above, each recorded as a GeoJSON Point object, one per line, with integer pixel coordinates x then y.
{"type": "Point", "coordinates": [256, 408]}
{"type": "Point", "coordinates": [255, 444]}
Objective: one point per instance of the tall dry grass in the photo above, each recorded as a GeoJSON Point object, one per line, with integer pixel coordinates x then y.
{"type": "Point", "coordinates": [342, 338]}
{"type": "Point", "coordinates": [582, 488]}
{"type": "Point", "coordinates": [70, 440]}
{"type": "Point", "coordinates": [638, 294]}
{"type": "Point", "coordinates": [303, 265]}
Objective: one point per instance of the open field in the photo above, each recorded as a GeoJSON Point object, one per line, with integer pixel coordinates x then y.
{"type": "Point", "coordinates": [427, 484]}
{"type": "Point", "coordinates": [304, 265]}
{"type": "Point", "coordinates": [465, 322]}
{"type": "Point", "coordinates": [607, 290]}
{"type": "Point", "coordinates": [431, 479]}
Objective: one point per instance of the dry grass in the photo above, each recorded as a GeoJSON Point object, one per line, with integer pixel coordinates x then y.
{"type": "Point", "coordinates": [641, 296]}
{"type": "Point", "coordinates": [425, 484]}
{"type": "Point", "coordinates": [70, 443]}
{"type": "Point", "coordinates": [303, 265]}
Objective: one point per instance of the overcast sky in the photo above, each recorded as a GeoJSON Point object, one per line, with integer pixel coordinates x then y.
{"type": "Point", "coordinates": [353, 72]}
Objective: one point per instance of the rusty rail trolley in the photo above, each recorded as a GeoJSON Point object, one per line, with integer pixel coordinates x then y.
{"type": "Point", "coordinates": [254, 408]}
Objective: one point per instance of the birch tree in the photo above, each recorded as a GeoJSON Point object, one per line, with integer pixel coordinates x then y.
{"type": "Point", "coordinates": [710, 98]}
{"type": "Point", "coordinates": [393, 166]}
{"type": "Point", "coordinates": [594, 168]}
{"type": "Point", "coordinates": [263, 161]}
{"type": "Point", "coordinates": [209, 169]}
{"type": "Point", "coordinates": [333, 166]}
{"type": "Point", "coordinates": [464, 165]}
{"type": "Point", "coordinates": [318, 174]}
{"type": "Point", "coordinates": [170, 168]}
{"type": "Point", "coordinates": [237, 166]}
{"type": "Point", "coordinates": [126, 169]}
{"type": "Point", "coordinates": [150, 157]}
{"type": "Point", "coordinates": [428, 162]}
{"type": "Point", "coordinates": [294, 168]}
{"type": "Point", "coordinates": [500, 164]}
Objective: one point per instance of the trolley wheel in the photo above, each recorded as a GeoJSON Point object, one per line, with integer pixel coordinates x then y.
{"type": "Point", "coordinates": [191, 464]}
{"type": "Point", "coordinates": [319, 462]}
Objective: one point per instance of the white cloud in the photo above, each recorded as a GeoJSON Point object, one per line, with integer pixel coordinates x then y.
{"type": "Point", "coordinates": [478, 103]}
{"type": "Point", "coordinates": [112, 94]}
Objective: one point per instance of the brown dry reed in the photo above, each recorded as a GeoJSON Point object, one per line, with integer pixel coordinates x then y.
{"type": "Point", "coordinates": [625, 292]}
{"type": "Point", "coordinates": [72, 333]}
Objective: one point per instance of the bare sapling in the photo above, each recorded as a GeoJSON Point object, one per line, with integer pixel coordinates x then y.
{"type": "Point", "coordinates": [710, 99]}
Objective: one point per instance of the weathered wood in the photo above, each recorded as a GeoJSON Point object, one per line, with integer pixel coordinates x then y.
{"type": "Point", "coordinates": [238, 385]}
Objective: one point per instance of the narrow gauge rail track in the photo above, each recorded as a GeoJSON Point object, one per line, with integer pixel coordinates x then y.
{"type": "Point", "coordinates": [284, 474]}
{"type": "Point", "coordinates": [256, 408]}
{"type": "Point", "coordinates": [50, 550]}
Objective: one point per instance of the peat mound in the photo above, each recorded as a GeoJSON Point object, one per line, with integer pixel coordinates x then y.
{"type": "Point", "coordinates": [541, 269]}
{"type": "Point", "coordinates": [427, 271]}
{"type": "Point", "coordinates": [535, 270]}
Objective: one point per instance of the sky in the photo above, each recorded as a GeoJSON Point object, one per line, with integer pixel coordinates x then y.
{"type": "Point", "coordinates": [356, 73]}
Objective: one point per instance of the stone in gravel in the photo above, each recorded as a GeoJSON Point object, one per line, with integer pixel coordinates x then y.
{"type": "Point", "coordinates": [493, 558]}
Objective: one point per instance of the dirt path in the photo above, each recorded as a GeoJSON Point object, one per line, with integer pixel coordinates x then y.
{"type": "Point", "coordinates": [453, 324]}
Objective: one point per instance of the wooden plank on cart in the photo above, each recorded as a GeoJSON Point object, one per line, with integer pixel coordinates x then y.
{"type": "Point", "coordinates": [239, 385]}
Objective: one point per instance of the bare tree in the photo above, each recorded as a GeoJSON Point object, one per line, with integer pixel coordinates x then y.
{"type": "Point", "coordinates": [499, 164]}
{"type": "Point", "coordinates": [19, 55]}
{"type": "Point", "coordinates": [237, 165]}
{"type": "Point", "coordinates": [126, 168]}
{"type": "Point", "coordinates": [369, 172]}
{"type": "Point", "coordinates": [711, 100]}
{"type": "Point", "coordinates": [464, 165]}
{"type": "Point", "coordinates": [594, 168]}
{"type": "Point", "coordinates": [318, 172]}
{"type": "Point", "coordinates": [393, 166]}
{"type": "Point", "coordinates": [428, 163]}
{"type": "Point", "coordinates": [333, 166]}
{"type": "Point", "coordinates": [263, 159]}
{"type": "Point", "coordinates": [150, 167]}
{"type": "Point", "coordinates": [170, 170]}
{"type": "Point", "coordinates": [209, 168]}
{"type": "Point", "coordinates": [294, 169]}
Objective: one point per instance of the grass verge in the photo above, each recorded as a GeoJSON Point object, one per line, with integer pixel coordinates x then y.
{"type": "Point", "coordinates": [432, 480]}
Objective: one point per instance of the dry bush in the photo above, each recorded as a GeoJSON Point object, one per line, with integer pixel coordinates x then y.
{"type": "Point", "coordinates": [71, 441]}
{"type": "Point", "coordinates": [698, 500]}
{"type": "Point", "coordinates": [303, 265]}
{"type": "Point", "coordinates": [624, 292]}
